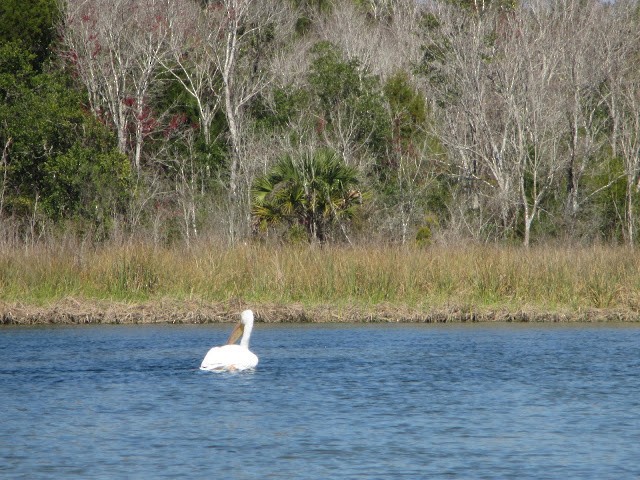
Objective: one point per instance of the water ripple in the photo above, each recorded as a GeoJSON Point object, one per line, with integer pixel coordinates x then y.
{"type": "Point", "coordinates": [328, 401]}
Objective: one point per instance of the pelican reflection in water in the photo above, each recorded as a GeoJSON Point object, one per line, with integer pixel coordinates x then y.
{"type": "Point", "coordinates": [231, 357]}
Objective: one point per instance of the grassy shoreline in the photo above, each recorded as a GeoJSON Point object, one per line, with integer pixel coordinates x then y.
{"type": "Point", "coordinates": [210, 283]}
{"type": "Point", "coordinates": [73, 312]}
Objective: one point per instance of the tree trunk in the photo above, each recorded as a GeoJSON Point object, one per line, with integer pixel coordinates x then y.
{"type": "Point", "coordinates": [630, 222]}
{"type": "Point", "coordinates": [4, 166]}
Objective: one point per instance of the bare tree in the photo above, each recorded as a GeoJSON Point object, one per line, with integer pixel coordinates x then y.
{"type": "Point", "coordinates": [499, 88]}
{"type": "Point", "coordinates": [474, 125]}
{"type": "Point", "coordinates": [413, 177]}
{"type": "Point", "coordinates": [5, 172]}
{"type": "Point", "coordinates": [380, 34]}
{"type": "Point", "coordinates": [95, 44]}
{"type": "Point", "coordinates": [629, 145]}
{"type": "Point", "coordinates": [344, 27]}
{"type": "Point", "coordinates": [584, 62]}
{"type": "Point", "coordinates": [186, 175]}
{"type": "Point", "coordinates": [622, 97]}
{"type": "Point", "coordinates": [116, 52]}
{"type": "Point", "coordinates": [247, 33]}
{"type": "Point", "coordinates": [532, 95]}
{"type": "Point", "coordinates": [192, 60]}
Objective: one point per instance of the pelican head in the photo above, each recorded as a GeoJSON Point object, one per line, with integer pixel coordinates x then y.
{"type": "Point", "coordinates": [243, 328]}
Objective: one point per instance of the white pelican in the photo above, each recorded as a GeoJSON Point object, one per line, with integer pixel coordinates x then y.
{"type": "Point", "coordinates": [233, 357]}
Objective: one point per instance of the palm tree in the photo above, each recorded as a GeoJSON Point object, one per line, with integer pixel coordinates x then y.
{"type": "Point", "coordinates": [312, 191]}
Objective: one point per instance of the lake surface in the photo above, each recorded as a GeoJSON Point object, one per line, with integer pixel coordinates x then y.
{"type": "Point", "coordinates": [326, 401]}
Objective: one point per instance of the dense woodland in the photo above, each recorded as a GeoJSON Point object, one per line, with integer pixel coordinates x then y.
{"type": "Point", "coordinates": [345, 121]}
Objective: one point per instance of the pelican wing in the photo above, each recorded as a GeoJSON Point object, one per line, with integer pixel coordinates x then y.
{"type": "Point", "coordinates": [229, 357]}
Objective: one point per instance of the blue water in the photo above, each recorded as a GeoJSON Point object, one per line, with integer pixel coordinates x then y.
{"type": "Point", "coordinates": [326, 401]}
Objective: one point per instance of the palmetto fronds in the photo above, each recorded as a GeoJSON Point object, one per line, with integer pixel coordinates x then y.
{"type": "Point", "coordinates": [313, 191]}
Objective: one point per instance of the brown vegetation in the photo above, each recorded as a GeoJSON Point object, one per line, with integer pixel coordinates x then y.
{"type": "Point", "coordinates": [70, 311]}
{"type": "Point", "coordinates": [211, 283]}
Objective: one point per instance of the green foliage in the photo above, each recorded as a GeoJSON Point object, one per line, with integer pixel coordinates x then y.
{"type": "Point", "coordinates": [303, 25]}
{"type": "Point", "coordinates": [60, 156]}
{"type": "Point", "coordinates": [284, 106]}
{"type": "Point", "coordinates": [84, 182]}
{"type": "Point", "coordinates": [307, 10]}
{"type": "Point", "coordinates": [312, 192]}
{"type": "Point", "coordinates": [404, 99]}
{"type": "Point", "coordinates": [15, 68]}
{"type": "Point", "coordinates": [609, 205]}
{"type": "Point", "coordinates": [408, 110]}
{"type": "Point", "coordinates": [424, 235]}
{"type": "Point", "coordinates": [334, 79]}
{"type": "Point", "coordinates": [435, 48]}
{"type": "Point", "coordinates": [343, 88]}
{"type": "Point", "coordinates": [181, 132]}
{"type": "Point", "coordinates": [338, 91]}
{"type": "Point", "coordinates": [297, 234]}
{"type": "Point", "coordinates": [30, 24]}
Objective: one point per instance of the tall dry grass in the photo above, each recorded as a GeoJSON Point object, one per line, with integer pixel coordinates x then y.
{"type": "Point", "coordinates": [478, 276]}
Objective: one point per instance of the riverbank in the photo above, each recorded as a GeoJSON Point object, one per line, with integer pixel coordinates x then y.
{"type": "Point", "coordinates": [212, 283]}
{"type": "Point", "coordinates": [71, 311]}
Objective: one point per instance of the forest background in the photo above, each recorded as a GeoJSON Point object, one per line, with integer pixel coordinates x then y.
{"type": "Point", "coordinates": [247, 126]}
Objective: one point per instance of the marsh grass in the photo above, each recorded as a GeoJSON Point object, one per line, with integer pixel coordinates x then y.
{"type": "Point", "coordinates": [477, 277]}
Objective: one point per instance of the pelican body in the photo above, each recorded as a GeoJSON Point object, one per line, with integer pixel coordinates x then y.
{"type": "Point", "coordinates": [232, 357]}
